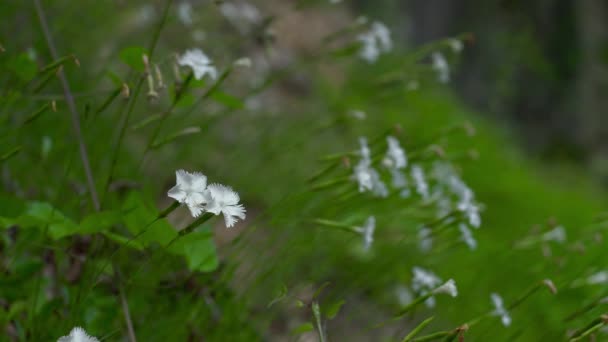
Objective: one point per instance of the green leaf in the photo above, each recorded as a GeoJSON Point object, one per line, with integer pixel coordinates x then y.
{"type": "Point", "coordinates": [198, 248]}
{"type": "Point", "coordinates": [42, 215]}
{"type": "Point", "coordinates": [132, 56]}
{"type": "Point", "coordinates": [306, 327]}
{"type": "Point", "coordinates": [98, 222]}
{"type": "Point", "coordinates": [140, 217]}
{"type": "Point", "coordinates": [332, 310]}
{"type": "Point", "coordinates": [227, 100]}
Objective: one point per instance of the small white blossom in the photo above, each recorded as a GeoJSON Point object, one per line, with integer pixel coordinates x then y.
{"type": "Point", "coordinates": [222, 199]}
{"type": "Point", "coordinates": [422, 187]}
{"type": "Point", "coordinates": [374, 42]}
{"type": "Point", "coordinates": [395, 156]}
{"type": "Point", "coordinates": [557, 234]}
{"type": "Point", "coordinates": [190, 189]}
{"type": "Point", "coordinates": [368, 232]}
{"type": "Point", "coordinates": [357, 114]}
{"type": "Point", "coordinates": [78, 335]}
{"type": "Point", "coordinates": [499, 309]}
{"type": "Point", "coordinates": [441, 66]}
{"type": "Point", "coordinates": [366, 176]}
{"type": "Point", "coordinates": [598, 278]}
{"type": "Point", "coordinates": [455, 44]}
{"type": "Point", "coordinates": [200, 64]}
{"type": "Point", "coordinates": [448, 288]}
{"type": "Point", "coordinates": [243, 15]}
{"type": "Point", "coordinates": [184, 13]}
{"type": "Point", "coordinates": [398, 179]}
{"type": "Point", "coordinates": [424, 279]}
{"type": "Point", "coordinates": [467, 236]}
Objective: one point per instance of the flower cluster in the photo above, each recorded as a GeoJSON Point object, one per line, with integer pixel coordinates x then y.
{"type": "Point", "coordinates": [191, 189]}
{"type": "Point", "coordinates": [425, 281]}
{"type": "Point", "coordinates": [441, 67]}
{"type": "Point", "coordinates": [375, 42]}
{"type": "Point", "coordinates": [78, 335]}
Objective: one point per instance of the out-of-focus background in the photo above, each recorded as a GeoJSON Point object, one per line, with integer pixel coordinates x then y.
{"type": "Point", "coordinates": [501, 102]}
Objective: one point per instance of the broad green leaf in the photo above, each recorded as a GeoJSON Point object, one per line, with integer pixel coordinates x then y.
{"type": "Point", "coordinates": [332, 310]}
{"type": "Point", "coordinates": [306, 327]}
{"type": "Point", "coordinates": [43, 215]}
{"type": "Point", "coordinates": [198, 248]}
{"type": "Point", "coordinates": [227, 100]}
{"type": "Point", "coordinates": [132, 56]}
{"type": "Point", "coordinates": [140, 217]}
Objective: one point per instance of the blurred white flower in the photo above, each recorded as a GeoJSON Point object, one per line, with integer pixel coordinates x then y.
{"type": "Point", "coordinates": [467, 236]}
{"type": "Point", "coordinates": [395, 156]}
{"type": "Point", "coordinates": [78, 335]}
{"type": "Point", "coordinates": [557, 234]}
{"type": "Point", "coordinates": [241, 15]}
{"type": "Point", "coordinates": [184, 13]}
{"type": "Point", "coordinates": [455, 44]}
{"type": "Point", "coordinates": [367, 231]}
{"type": "Point", "coordinates": [222, 199]}
{"type": "Point", "coordinates": [357, 114]}
{"type": "Point", "coordinates": [190, 189]}
{"type": "Point", "coordinates": [424, 279]}
{"type": "Point", "coordinates": [499, 309]}
{"type": "Point", "coordinates": [398, 179]}
{"type": "Point", "coordinates": [200, 64]}
{"type": "Point", "coordinates": [598, 278]}
{"type": "Point", "coordinates": [366, 176]}
{"type": "Point", "coordinates": [448, 288]}
{"type": "Point", "coordinates": [425, 240]}
{"type": "Point", "coordinates": [440, 65]}
{"type": "Point", "coordinates": [422, 187]}
{"type": "Point", "coordinates": [374, 42]}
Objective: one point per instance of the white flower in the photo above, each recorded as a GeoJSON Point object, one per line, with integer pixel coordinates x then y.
{"type": "Point", "coordinates": [368, 232]}
{"type": "Point", "coordinates": [440, 65]}
{"type": "Point", "coordinates": [455, 45]}
{"type": "Point", "coordinates": [357, 114]}
{"type": "Point", "coordinates": [499, 309]}
{"type": "Point", "coordinates": [190, 189]}
{"type": "Point", "coordinates": [395, 156]}
{"type": "Point", "coordinates": [374, 42]}
{"type": "Point", "coordinates": [366, 176]}
{"type": "Point", "coordinates": [242, 15]}
{"type": "Point", "coordinates": [200, 64]}
{"type": "Point", "coordinates": [558, 234]}
{"type": "Point", "coordinates": [222, 199]}
{"type": "Point", "coordinates": [448, 288]}
{"type": "Point", "coordinates": [423, 282]}
{"type": "Point", "coordinates": [424, 279]}
{"type": "Point", "coordinates": [422, 187]}
{"type": "Point", "coordinates": [598, 278]}
{"type": "Point", "coordinates": [467, 236]}
{"type": "Point", "coordinates": [184, 13]}
{"type": "Point", "coordinates": [78, 335]}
